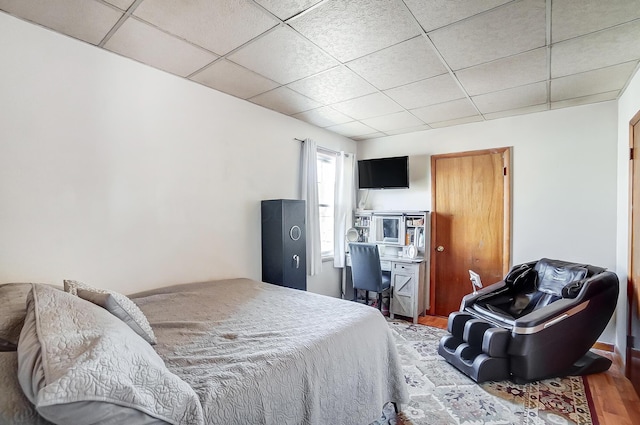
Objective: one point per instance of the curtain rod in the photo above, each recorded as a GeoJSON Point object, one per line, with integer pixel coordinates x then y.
{"type": "Point", "coordinates": [324, 149]}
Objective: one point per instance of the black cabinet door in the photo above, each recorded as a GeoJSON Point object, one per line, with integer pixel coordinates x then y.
{"type": "Point", "coordinates": [284, 256]}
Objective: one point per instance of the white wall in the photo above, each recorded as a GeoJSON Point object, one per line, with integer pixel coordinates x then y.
{"type": "Point", "coordinates": [129, 178]}
{"type": "Point", "coordinates": [628, 106]}
{"type": "Point", "coordinates": [563, 179]}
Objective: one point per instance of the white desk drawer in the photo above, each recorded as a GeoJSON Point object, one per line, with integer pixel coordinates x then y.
{"type": "Point", "coordinates": [385, 265]}
{"type": "Point", "coordinates": [406, 267]}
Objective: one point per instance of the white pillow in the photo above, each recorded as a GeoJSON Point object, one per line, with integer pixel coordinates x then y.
{"type": "Point", "coordinates": [117, 304]}
{"type": "Point", "coordinates": [78, 364]}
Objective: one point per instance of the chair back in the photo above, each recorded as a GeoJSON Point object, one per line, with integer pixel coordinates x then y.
{"type": "Point", "coordinates": [365, 267]}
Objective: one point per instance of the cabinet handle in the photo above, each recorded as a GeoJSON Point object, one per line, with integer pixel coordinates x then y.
{"type": "Point", "coordinates": [296, 258]}
{"type": "Point", "coordinates": [440, 248]}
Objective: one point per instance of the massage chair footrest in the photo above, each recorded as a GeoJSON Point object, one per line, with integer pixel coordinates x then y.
{"type": "Point", "coordinates": [456, 323]}
{"type": "Point", "coordinates": [493, 341]}
{"type": "Point", "coordinates": [472, 361]}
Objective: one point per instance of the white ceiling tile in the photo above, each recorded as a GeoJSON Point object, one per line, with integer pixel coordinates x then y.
{"type": "Point", "coordinates": [283, 56]}
{"type": "Point", "coordinates": [517, 70]}
{"type": "Point", "coordinates": [332, 86]}
{"type": "Point", "coordinates": [323, 117]}
{"type": "Point", "coordinates": [495, 47]}
{"type": "Point", "coordinates": [573, 18]}
{"type": "Point", "coordinates": [408, 130]}
{"type": "Point", "coordinates": [371, 105]}
{"type": "Point", "coordinates": [447, 111]}
{"type": "Point", "coordinates": [433, 14]}
{"type": "Point", "coordinates": [518, 111]}
{"type": "Point", "coordinates": [285, 9]}
{"type": "Point", "coordinates": [396, 121]}
{"type": "Point", "coordinates": [513, 98]}
{"type": "Point", "coordinates": [86, 20]}
{"type": "Point", "coordinates": [507, 30]}
{"type": "Point", "coordinates": [368, 136]}
{"type": "Point", "coordinates": [147, 44]}
{"type": "Point", "coordinates": [233, 79]}
{"type": "Point", "coordinates": [217, 25]}
{"type": "Point", "coordinates": [404, 63]}
{"type": "Point", "coordinates": [591, 82]}
{"type": "Point", "coordinates": [349, 29]}
{"type": "Point", "coordinates": [285, 101]}
{"type": "Point", "coordinates": [122, 4]}
{"type": "Point", "coordinates": [350, 129]}
{"type": "Point", "coordinates": [584, 100]}
{"type": "Point", "coordinates": [426, 92]}
{"type": "Point", "coordinates": [457, 121]}
{"type": "Point", "coordinates": [597, 50]}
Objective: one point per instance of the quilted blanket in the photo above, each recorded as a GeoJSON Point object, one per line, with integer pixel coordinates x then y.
{"type": "Point", "coordinates": [79, 364]}
{"type": "Point", "coordinates": [257, 353]}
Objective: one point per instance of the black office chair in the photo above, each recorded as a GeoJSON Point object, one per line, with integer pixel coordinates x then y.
{"type": "Point", "coordinates": [366, 273]}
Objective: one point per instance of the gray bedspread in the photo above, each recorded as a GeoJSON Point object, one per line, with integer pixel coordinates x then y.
{"type": "Point", "coordinates": [257, 353]}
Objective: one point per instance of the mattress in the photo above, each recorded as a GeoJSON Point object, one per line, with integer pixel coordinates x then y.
{"type": "Point", "coordinates": [257, 353]}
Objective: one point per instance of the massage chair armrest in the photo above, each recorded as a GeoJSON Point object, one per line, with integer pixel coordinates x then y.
{"type": "Point", "coordinates": [469, 299]}
{"type": "Point", "coordinates": [595, 284]}
{"type": "Point", "coordinates": [598, 284]}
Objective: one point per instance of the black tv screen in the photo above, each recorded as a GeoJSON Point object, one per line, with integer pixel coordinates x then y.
{"type": "Point", "coordinates": [383, 173]}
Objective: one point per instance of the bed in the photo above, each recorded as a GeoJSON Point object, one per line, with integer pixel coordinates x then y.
{"type": "Point", "coordinates": [224, 352]}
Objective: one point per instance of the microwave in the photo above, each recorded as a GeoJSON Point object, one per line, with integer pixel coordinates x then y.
{"type": "Point", "coordinates": [387, 229]}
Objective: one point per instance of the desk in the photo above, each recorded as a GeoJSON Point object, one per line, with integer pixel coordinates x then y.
{"type": "Point", "coordinates": [409, 285]}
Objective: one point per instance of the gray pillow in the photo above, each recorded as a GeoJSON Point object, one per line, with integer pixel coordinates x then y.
{"type": "Point", "coordinates": [117, 304]}
{"type": "Point", "coordinates": [79, 364]}
{"type": "Point", "coordinates": [13, 298]}
{"type": "Point", "coordinates": [15, 408]}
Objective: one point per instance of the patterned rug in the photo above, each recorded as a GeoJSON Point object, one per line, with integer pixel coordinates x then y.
{"type": "Point", "coordinates": [440, 394]}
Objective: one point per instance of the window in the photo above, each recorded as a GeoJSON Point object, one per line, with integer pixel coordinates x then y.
{"type": "Point", "coordinates": [326, 196]}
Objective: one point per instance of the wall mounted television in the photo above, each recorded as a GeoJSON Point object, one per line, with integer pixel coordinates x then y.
{"type": "Point", "coordinates": [384, 173]}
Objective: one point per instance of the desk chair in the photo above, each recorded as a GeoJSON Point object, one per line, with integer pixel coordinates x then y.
{"type": "Point", "coordinates": [366, 273]}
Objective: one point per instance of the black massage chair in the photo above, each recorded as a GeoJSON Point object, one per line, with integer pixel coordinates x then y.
{"type": "Point", "coordinates": [537, 323]}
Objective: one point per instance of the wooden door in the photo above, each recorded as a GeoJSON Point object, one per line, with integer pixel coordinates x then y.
{"type": "Point", "coordinates": [470, 222]}
{"type": "Point", "coordinates": [632, 369]}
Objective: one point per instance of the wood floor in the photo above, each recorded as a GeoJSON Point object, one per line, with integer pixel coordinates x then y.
{"type": "Point", "coordinates": [615, 399]}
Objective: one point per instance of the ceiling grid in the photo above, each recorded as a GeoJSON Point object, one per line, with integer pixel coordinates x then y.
{"type": "Point", "coordinates": [371, 68]}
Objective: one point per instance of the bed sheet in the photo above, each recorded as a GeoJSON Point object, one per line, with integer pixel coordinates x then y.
{"type": "Point", "coordinates": [257, 353]}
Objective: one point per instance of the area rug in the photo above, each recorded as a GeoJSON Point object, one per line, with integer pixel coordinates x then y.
{"type": "Point", "coordinates": [440, 394]}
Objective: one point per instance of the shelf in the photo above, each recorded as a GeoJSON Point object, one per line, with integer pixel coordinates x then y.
{"type": "Point", "coordinates": [413, 227]}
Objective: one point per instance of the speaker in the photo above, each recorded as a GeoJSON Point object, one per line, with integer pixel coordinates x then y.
{"type": "Point", "coordinates": [284, 246]}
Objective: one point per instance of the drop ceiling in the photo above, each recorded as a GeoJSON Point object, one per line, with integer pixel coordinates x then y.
{"type": "Point", "coordinates": [371, 68]}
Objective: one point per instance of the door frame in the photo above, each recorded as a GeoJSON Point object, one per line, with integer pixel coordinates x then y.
{"type": "Point", "coordinates": [632, 245]}
{"type": "Point", "coordinates": [506, 240]}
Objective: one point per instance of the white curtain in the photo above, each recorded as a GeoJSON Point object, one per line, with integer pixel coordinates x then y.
{"type": "Point", "coordinates": [344, 203]}
{"type": "Point", "coordinates": [309, 189]}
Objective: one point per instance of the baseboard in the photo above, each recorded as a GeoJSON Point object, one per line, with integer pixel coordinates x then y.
{"type": "Point", "coordinates": [604, 346]}
{"type": "Point", "coordinates": [618, 359]}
